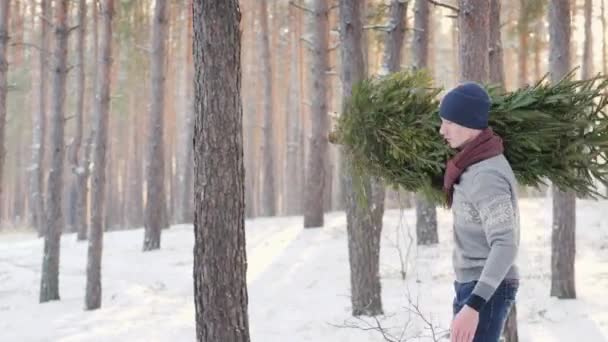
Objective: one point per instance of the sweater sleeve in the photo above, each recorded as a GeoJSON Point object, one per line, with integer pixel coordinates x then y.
{"type": "Point", "coordinates": [492, 197]}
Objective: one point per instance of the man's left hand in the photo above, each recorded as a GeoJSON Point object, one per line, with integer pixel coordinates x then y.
{"type": "Point", "coordinates": [464, 325]}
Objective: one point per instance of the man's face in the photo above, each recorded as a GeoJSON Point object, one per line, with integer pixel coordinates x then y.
{"type": "Point", "coordinates": [456, 135]}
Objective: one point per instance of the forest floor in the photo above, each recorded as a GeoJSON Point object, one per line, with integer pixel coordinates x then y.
{"type": "Point", "coordinates": [298, 283]}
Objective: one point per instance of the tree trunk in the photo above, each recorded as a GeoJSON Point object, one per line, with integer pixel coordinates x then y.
{"type": "Point", "coordinates": [317, 165]}
{"type": "Point", "coordinates": [102, 108]}
{"type": "Point", "coordinates": [268, 190]}
{"type": "Point", "coordinates": [186, 165]}
{"type": "Point", "coordinates": [75, 206]}
{"type": "Point", "coordinates": [155, 212]}
{"type": "Point", "coordinates": [393, 41]}
{"type": "Point", "coordinates": [563, 244]}
{"type": "Point", "coordinates": [49, 284]}
{"type": "Point", "coordinates": [293, 185]}
{"type": "Point", "coordinates": [538, 49]}
{"type": "Point", "coordinates": [473, 22]}
{"type": "Point", "coordinates": [587, 71]}
{"type": "Point", "coordinates": [603, 18]}
{"type": "Point", "coordinates": [135, 192]}
{"type": "Point", "coordinates": [363, 220]}
{"type": "Point", "coordinates": [220, 260]}
{"type": "Point", "coordinates": [39, 128]}
{"type": "Point", "coordinates": [4, 39]}
{"type": "Point", "coordinates": [420, 45]}
{"type": "Point", "coordinates": [523, 31]}
{"type": "Point", "coordinates": [495, 57]}
{"type": "Point", "coordinates": [84, 185]}
{"type": "Point", "coordinates": [426, 214]}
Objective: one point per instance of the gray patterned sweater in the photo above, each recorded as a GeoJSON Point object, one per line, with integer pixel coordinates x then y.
{"type": "Point", "coordinates": [486, 227]}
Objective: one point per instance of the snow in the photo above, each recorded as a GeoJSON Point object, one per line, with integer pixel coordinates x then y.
{"type": "Point", "coordinates": [298, 283]}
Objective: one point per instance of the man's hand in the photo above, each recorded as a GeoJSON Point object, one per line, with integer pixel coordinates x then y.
{"type": "Point", "coordinates": [464, 325]}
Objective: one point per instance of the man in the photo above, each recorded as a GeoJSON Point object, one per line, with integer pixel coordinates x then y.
{"type": "Point", "coordinates": [481, 190]}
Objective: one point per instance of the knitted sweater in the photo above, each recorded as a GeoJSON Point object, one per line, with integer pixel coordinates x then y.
{"type": "Point", "coordinates": [486, 227]}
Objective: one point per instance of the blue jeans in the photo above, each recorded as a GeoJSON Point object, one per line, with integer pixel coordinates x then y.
{"type": "Point", "coordinates": [494, 314]}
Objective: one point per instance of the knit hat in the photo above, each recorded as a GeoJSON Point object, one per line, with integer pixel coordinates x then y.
{"type": "Point", "coordinates": [467, 105]}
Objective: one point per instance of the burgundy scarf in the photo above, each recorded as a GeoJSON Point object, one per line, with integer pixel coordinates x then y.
{"type": "Point", "coordinates": [486, 145]}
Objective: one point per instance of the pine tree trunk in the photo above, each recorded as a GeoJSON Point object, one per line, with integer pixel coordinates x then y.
{"type": "Point", "coordinates": [317, 164]}
{"type": "Point", "coordinates": [268, 175]}
{"type": "Point", "coordinates": [220, 261]}
{"type": "Point", "coordinates": [39, 127]}
{"type": "Point", "coordinates": [155, 212]}
{"type": "Point", "coordinates": [364, 222]}
{"type": "Point", "coordinates": [135, 192]}
{"type": "Point", "coordinates": [84, 185]}
{"type": "Point", "coordinates": [184, 210]}
{"type": "Point", "coordinates": [4, 39]}
{"type": "Point", "coordinates": [75, 206]}
{"type": "Point", "coordinates": [420, 44]}
{"type": "Point", "coordinates": [495, 58]}
{"type": "Point", "coordinates": [293, 185]}
{"type": "Point", "coordinates": [603, 19]}
{"type": "Point", "coordinates": [102, 108]}
{"type": "Point", "coordinates": [563, 244]}
{"type": "Point", "coordinates": [538, 49]}
{"type": "Point", "coordinates": [473, 21]}
{"type": "Point", "coordinates": [393, 41]}
{"type": "Point", "coordinates": [49, 285]}
{"type": "Point", "coordinates": [587, 71]}
{"type": "Point", "coordinates": [523, 31]}
{"type": "Point", "coordinates": [426, 214]}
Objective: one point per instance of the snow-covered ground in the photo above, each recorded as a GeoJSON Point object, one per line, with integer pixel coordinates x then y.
{"type": "Point", "coordinates": [298, 282]}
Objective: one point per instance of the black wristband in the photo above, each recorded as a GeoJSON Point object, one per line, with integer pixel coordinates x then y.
{"type": "Point", "coordinates": [476, 302]}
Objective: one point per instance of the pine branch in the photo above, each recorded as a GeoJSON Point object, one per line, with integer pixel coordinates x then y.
{"type": "Point", "coordinates": [302, 7]}
{"type": "Point", "coordinates": [436, 3]}
{"type": "Point", "coordinates": [30, 45]}
{"type": "Point", "coordinates": [384, 28]}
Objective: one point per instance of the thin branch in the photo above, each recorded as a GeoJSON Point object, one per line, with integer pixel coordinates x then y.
{"type": "Point", "coordinates": [332, 48]}
{"type": "Point", "coordinates": [436, 3]}
{"type": "Point", "coordinates": [30, 45]}
{"type": "Point", "coordinates": [377, 27]}
{"type": "Point", "coordinates": [72, 28]}
{"type": "Point", "coordinates": [331, 72]}
{"type": "Point", "coordinates": [302, 7]}
{"type": "Point", "coordinates": [308, 42]}
{"type": "Point", "coordinates": [66, 119]}
{"type": "Point", "coordinates": [45, 19]}
{"type": "Point", "coordinates": [333, 7]}
{"type": "Point", "coordinates": [142, 48]}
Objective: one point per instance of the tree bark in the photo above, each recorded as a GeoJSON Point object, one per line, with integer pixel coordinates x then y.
{"type": "Point", "coordinates": [49, 285]}
{"type": "Point", "coordinates": [39, 127]}
{"type": "Point", "coordinates": [187, 165]}
{"type": "Point", "coordinates": [495, 58]}
{"type": "Point", "coordinates": [363, 220]}
{"type": "Point", "coordinates": [473, 21]}
{"type": "Point", "coordinates": [563, 244]}
{"type": "Point", "coordinates": [220, 261]}
{"type": "Point", "coordinates": [523, 31]}
{"type": "Point", "coordinates": [293, 183]}
{"type": "Point", "coordinates": [587, 71]}
{"type": "Point", "coordinates": [603, 19]}
{"type": "Point", "coordinates": [155, 212]}
{"type": "Point", "coordinates": [317, 164]}
{"type": "Point", "coordinates": [102, 108]}
{"type": "Point", "coordinates": [76, 209]}
{"type": "Point", "coordinates": [268, 190]}
{"type": "Point", "coordinates": [393, 41]}
{"type": "Point", "coordinates": [4, 39]}
{"type": "Point", "coordinates": [426, 214]}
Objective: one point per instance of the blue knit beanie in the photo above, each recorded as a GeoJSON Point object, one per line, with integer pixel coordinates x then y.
{"type": "Point", "coordinates": [467, 105]}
